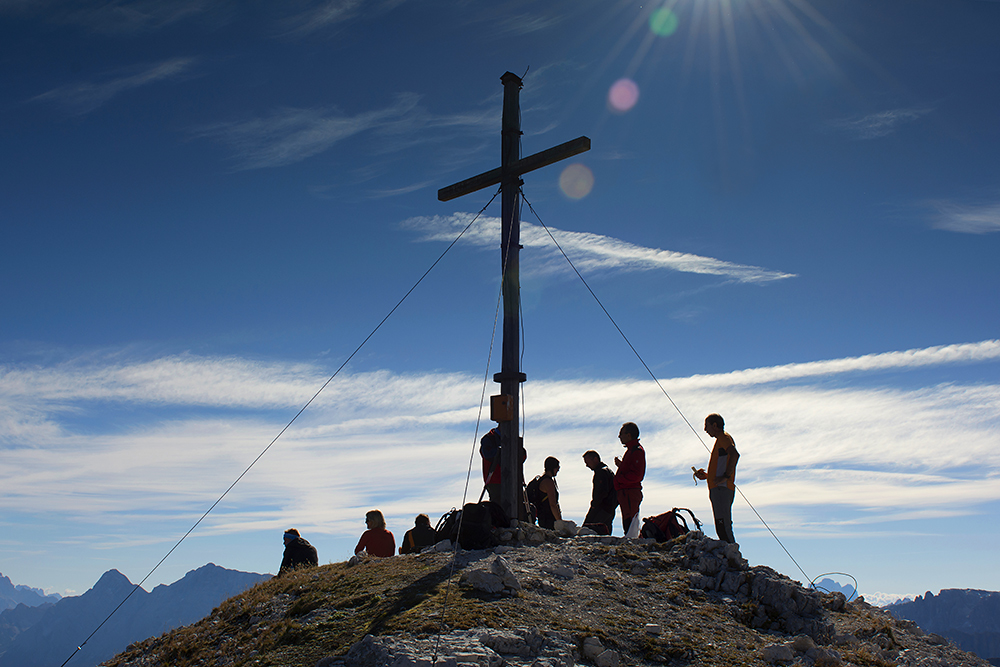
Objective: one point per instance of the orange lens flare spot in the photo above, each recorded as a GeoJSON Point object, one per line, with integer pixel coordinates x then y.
{"type": "Point", "coordinates": [623, 95]}
{"type": "Point", "coordinates": [576, 181]}
{"type": "Point", "coordinates": [663, 22]}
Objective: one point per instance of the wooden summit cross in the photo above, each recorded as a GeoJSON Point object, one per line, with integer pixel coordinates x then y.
{"type": "Point", "coordinates": [510, 377]}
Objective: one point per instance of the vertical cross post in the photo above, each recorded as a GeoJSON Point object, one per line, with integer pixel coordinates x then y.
{"type": "Point", "coordinates": [510, 376]}
{"type": "Point", "coordinates": [508, 175]}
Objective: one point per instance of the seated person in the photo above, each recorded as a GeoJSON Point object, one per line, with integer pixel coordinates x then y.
{"type": "Point", "coordinates": [418, 537]}
{"type": "Point", "coordinates": [298, 552]}
{"type": "Point", "coordinates": [376, 541]}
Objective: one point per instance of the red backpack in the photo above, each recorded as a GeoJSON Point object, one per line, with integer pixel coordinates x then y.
{"type": "Point", "coordinates": [667, 526]}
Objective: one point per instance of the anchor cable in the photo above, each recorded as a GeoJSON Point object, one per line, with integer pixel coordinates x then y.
{"type": "Point", "coordinates": [468, 476]}
{"type": "Point", "coordinates": [648, 370]}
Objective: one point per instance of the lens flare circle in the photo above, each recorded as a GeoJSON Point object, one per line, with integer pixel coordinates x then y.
{"type": "Point", "coordinates": [576, 181]}
{"type": "Point", "coordinates": [663, 22]}
{"type": "Point", "coordinates": [623, 95]}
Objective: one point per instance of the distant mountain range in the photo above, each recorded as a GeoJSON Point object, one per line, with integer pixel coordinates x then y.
{"type": "Point", "coordinates": [969, 618]}
{"type": "Point", "coordinates": [11, 595]}
{"type": "Point", "coordinates": [828, 585]}
{"type": "Point", "coordinates": [47, 634]}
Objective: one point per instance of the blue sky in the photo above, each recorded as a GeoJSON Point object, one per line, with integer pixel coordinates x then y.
{"type": "Point", "coordinates": [794, 216]}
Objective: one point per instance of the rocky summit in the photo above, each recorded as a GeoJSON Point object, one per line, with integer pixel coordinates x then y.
{"type": "Point", "coordinates": [543, 600]}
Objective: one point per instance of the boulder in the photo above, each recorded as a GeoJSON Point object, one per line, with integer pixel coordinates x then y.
{"type": "Point", "coordinates": [482, 580]}
{"type": "Point", "coordinates": [565, 528]}
{"type": "Point", "coordinates": [608, 658]}
{"type": "Point", "coordinates": [777, 653]}
{"type": "Point", "coordinates": [501, 568]}
{"type": "Point", "coordinates": [592, 647]}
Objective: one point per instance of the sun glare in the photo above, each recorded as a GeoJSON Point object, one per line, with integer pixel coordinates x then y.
{"type": "Point", "coordinates": [576, 181]}
{"type": "Point", "coordinates": [623, 95]}
{"type": "Point", "coordinates": [663, 22]}
{"type": "Point", "coordinates": [719, 43]}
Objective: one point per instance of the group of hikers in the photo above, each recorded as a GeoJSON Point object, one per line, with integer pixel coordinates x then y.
{"type": "Point", "coordinates": [621, 490]}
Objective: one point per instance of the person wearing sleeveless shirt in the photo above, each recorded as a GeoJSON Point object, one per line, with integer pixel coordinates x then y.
{"type": "Point", "coordinates": [721, 476]}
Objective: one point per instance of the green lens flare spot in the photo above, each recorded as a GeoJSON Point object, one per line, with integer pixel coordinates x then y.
{"type": "Point", "coordinates": [663, 22]}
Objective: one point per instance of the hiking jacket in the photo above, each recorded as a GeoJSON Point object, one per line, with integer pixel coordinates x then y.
{"type": "Point", "coordinates": [298, 553]}
{"type": "Point", "coordinates": [604, 499]}
{"type": "Point", "coordinates": [417, 538]}
{"type": "Point", "coordinates": [633, 467]}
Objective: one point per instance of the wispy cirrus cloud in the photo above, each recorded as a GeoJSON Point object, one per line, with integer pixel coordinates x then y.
{"type": "Point", "coordinates": [838, 440]}
{"type": "Point", "coordinates": [87, 96]}
{"type": "Point", "coordinates": [965, 218]}
{"type": "Point", "coordinates": [589, 252]}
{"type": "Point", "coordinates": [132, 16]}
{"type": "Point", "coordinates": [235, 382]}
{"type": "Point", "coordinates": [114, 16]}
{"type": "Point", "coordinates": [288, 136]}
{"type": "Point", "coordinates": [880, 124]}
{"type": "Point", "coordinates": [987, 350]}
{"type": "Point", "coordinates": [330, 13]}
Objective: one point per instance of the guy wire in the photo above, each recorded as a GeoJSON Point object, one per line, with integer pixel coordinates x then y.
{"type": "Point", "coordinates": [286, 427]}
{"type": "Point", "coordinates": [641, 361]}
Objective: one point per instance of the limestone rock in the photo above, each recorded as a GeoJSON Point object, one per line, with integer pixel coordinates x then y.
{"type": "Point", "coordinates": [565, 528]}
{"type": "Point", "coordinates": [777, 653]}
{"type": "Point", "coordinates": [501, 568]}
{"type": "Point", "coordinates": [803, 643]}
{"type": "Point", "coordinates": [592, 647]}
{"type": "Point", "coordinates": [608, 658]}
{"type": "Point", "coordinates": [483, 581]}
{"type": "Point", "coordinates": [823, 657]}
{"type": "Point", "coordinates": [462, 648]}
{"type": "Point", "coordinates": [561, 571]}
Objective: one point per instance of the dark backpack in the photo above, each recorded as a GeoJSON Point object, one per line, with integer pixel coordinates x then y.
{"type": "Point", "coordinates": [447, 525]}
{"type": "Point", "coordinates": [534, 494]}
{"type": "Point", "coordinates": [471, 526]}
{"type": "Point", "coordinates": [477, 527]}
{"type": "Point", "coordinates": [498, 516]}
{"type": "Point", "coordinates": [667, 526]}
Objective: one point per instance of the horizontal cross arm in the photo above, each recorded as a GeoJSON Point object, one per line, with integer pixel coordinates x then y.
{"type": "Point", "coordinates": [522, 166]}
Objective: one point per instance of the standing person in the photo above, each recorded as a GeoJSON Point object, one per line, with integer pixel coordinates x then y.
{"type": "Point", "coordinates": [376, 541]}
{"type": "Point", "coordinates": [418, 537]}
{"type": "Point", "coordinates": [604, 499]}
{"type": "Point", "coordinates": [298, 552]}
{"type": "Point", "coordinates": [631, 470]}
{"type": "Point", "coordinates": [721, 476]}
{"type": "Point", "coordinates": [548, 495]}
{"type": "Point", "coordinates": [489, 450]}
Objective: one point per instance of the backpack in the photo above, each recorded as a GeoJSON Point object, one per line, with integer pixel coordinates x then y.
{"type": "Point", "coordinates": [498, 515]}
{"type": "Point", "coordinates": [477, 527]}
{"type": "Point", "coordinates": [471, 526]}
{"type": "Point", "coordinates": [447, 525]}
{"type": "Point", "coordinates": [667, 526]}
{"type": "Point", "coordinates": [534, 494]}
